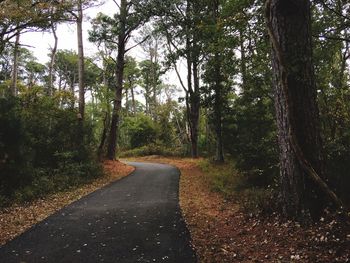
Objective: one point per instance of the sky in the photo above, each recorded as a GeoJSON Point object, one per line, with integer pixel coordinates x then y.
{"type": "Point", "coordinates": [39, 43]}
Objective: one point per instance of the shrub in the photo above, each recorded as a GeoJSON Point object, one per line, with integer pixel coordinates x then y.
{"type": "Point", "coordinates": [43, 148]}
{"type": "Point", "coordinates": [153, 149]}
{"type": "Point", "coordinates": [227, 180]}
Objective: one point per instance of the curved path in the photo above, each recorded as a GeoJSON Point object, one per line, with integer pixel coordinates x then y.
{"type": "Point", "coordinates": [136, 219]}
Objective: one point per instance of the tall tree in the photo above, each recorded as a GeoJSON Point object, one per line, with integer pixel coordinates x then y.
{"type": "Point", "coordinates": [301, 167]}
{"type": "Point", "coordinates": [27, 15]}
{"type": "Point", "coordinates": [15, 64]}
{"type": "Point", "coordinates": [81, 71]}
{"type": "Point", "coordinates": [118, 30]}
{"type": "Point", "coordinates": [182, 28]}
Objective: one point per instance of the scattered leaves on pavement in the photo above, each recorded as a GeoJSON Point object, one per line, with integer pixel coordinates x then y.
{"type": "Point", "coordinates": [17, 218]}
{"type": "Point", "coordinates": [221, 232]}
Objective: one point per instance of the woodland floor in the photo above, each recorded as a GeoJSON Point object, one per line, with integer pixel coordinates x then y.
{"type": "Point", "coordinates": [18, 218]}
{"type": "Point", "coordinates": [221, 232]}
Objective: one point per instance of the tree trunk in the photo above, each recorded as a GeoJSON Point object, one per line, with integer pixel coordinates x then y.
{"type": "Point", "coordinates": [296, 108]}
{"type": "Point", "coordinates": [81, 61]}
{"type": "Point", "coordinates": [52, 60]}
{"type": "Point", "coordinates": [218, 108]}
{"type": "Point", "coordinates": [133, 100]}
{"type": "Point", "coordinates": [117, 104]}
{"type": "Point", "coordinates": [15, 65]}
{"type": "Point", "coordinates": [218, 91]}
{"type": "Point", "coordinates": [101, 147]}
{"type": "Point", "coordinates": [194, 109]}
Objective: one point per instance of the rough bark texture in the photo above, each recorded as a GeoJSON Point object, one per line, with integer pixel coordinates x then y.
{"type": "Point", "coordinates": [81, 61]}
{"type": "Point", "coordinates": [296, 111]}
{"type": "Point", "coordinates": [117, 103]}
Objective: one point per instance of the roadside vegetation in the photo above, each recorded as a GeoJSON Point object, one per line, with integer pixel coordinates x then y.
{"type": "Point", "coordinates": [261, 93]}
{"type": "Point", "coordinates": [227, 224]}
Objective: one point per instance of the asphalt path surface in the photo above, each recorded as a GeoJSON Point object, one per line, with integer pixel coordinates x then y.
{"type": "Point", "coordinates": [136, 219]}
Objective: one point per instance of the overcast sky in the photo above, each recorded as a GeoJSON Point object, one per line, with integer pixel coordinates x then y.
{"type": "Point", "coordinates": [39, 43]}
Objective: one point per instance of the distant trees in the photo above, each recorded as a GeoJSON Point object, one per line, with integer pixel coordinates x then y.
{"type": "Point", "coordinates": [234, 104]}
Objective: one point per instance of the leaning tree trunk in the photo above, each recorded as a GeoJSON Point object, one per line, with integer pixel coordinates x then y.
{"type": "Point", "coordinates": [301, 162]}
{"type": "Point", "coordinates": [117, 104]}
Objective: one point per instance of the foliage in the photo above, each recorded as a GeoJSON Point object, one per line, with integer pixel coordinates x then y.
{"type": "Point", "coordinates": [141, 130]}
{"type": "Point", "coordinates": [227, 180]}
{"type": "Point", "coordinates": [43, 148]}
{"type": "Point", "coordinates": [153, 149]}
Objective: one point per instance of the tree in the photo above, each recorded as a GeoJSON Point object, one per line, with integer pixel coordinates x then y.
{"type": "Point", "coordinates": [118, 31]}
{"type": "Point", "coordinates": [132, 75]}
{"type": "Point", "coordinates": [301, 161]}
{"type": "Point", "coordinates": [81, 65]}
{"type": "Point", "coordinates": [150, 84]}
{"type": "Point", "coordinates": [182, 28]}
{"type": "Point", "coordinates": [28, 15]}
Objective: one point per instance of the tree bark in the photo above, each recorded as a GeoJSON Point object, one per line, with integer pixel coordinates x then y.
{"type": "Point", "coordinates": [81, 66]}
{"type": "Point", "coordinates": [117, 103]}
{"type": "Point", "coordinates": [301, 160]}
{"type": "Point", "coordinates": [218, 91]}
{"type": "Point", "coordinates": [194, 108]}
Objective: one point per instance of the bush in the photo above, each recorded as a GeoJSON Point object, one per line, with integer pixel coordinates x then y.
{"type": "Point", "coordinates": [338, 165]}
{"type": "Point", "coordinates": [227, 180]}
{"type": "Point", "coordinates": [43, 148]}
{"type": "Point", "coordinates": [153, 149]}
{"type": "Point", "coordinates": [140, 130]}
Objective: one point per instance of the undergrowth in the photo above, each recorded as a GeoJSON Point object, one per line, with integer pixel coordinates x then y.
{"type": "Point", "coordinates": [153, 149]}
{"type": "Point", "coordinates": [232, 184]}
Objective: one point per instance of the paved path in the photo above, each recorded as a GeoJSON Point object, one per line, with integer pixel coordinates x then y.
{"type": "Point", "coordinates": [136, 219]}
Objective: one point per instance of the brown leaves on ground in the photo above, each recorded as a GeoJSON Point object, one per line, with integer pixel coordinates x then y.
{"type": "Point", "coordinates": [18, 218]}
{"type": "Point", "coordinates": [222, 233]}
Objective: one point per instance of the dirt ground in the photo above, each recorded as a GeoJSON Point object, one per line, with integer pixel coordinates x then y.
{"type": "Point", "coordinates": [18, 218]}
{"type": "Point", "coordinates": [221, 232]}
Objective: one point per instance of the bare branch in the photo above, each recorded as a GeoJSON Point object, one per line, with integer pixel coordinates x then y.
{"type": "Point", "coordinates": [137, 44]}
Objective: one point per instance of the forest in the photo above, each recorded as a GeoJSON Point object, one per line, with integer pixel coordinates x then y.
{"type": "Point", "coordinates": [261, 88]}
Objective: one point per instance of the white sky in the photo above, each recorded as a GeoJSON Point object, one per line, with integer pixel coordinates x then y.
{"type": "Point", "coordinates": [39, 43]}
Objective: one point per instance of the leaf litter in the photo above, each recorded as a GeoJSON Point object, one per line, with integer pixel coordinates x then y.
{"type": "Point", "coordinates": [18, 218]}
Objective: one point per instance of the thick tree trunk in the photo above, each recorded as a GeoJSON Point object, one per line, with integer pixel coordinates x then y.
{"type": "Point", "coordinates": [81, 61]}
{"type": "Point", "coordinates": [296, 108]}
{"type": "Point", "coordinates": [117, 104]}
{"type": "Point", "coordinates": [15, 66]}
{"type": "Point", "coordinates": [194, 110]}
{"type": "Point", "coordinates": [219, 92]}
